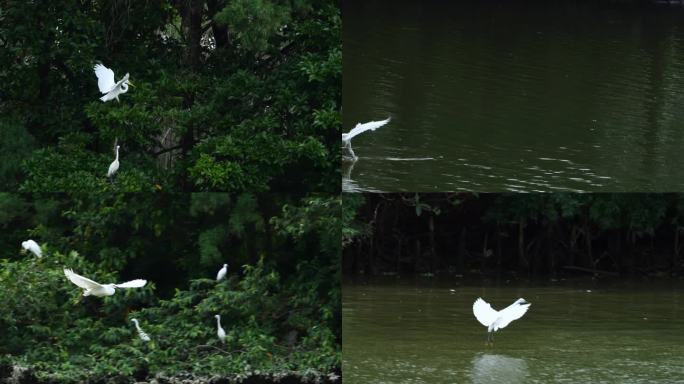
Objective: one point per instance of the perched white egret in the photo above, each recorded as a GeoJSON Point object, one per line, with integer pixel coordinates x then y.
{"type": "Point", "coordinates": [219, 330]}
{"type": "Point", "coordinates": [105, 81]}
{"type": "Point", "coordinates": [359, 128]}
{"type": "Point", "coordinates": [495, 320]}
{"type": "Point", "coordinates": [222, 273]}
{"type": "Point", "coordinates": [96, 289]}
{"type": "Point", "coordinates": [30, 245]}
{"type": "Point", "coordinates": [114, 166]}
{"type": "Point", "coordinates": [143, 335]}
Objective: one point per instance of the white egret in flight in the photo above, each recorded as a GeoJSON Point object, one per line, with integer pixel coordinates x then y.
{"type": "Point", "coordinates": [495, 320]}
{"type": "Point", "coordinates": [222, 273]}
{"type": "Point", "coordinates": [219, 330]}
{"type": "Point", "coordinates": [96, 289]}
{"type": "Point", "coordinates": [30, 245]}
{"type": "Point", "coordinates": [143, 335]}
{"type": "Point", "coordinates": [114, 166]}
{"type": "Point", "coordinates": [359, 128]}
{"type": "Point", "coordinates": [105, 81]}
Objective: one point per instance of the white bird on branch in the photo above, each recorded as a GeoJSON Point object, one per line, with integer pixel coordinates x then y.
{"type": "Point", "coordinates": [219, 330]}
{"type": "Point", "coordinates": [495, 320]}
{"type": "Point", "coordinates": [222, 273]}
{"type": "Point", "coordinates": [143, 335]}
{"type": "Point", "coordinates": [96, 289]}
{"type": "Point", "coordinates": [114, 166]}
{"type": "Point", "coordinates": [107, 85]}
{"type": "Point", "coordinates": [30, 245]}
{"type": "Point", "coordinates": [360, 128]}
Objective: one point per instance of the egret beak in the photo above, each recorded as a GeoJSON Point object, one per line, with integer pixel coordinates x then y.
{"type": "Point", "coordinates": [130, 83]}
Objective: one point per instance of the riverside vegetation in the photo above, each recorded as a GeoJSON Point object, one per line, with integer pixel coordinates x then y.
{"type": "Point", "coordinates": [230, 95]}
{"type": "Point", "coordinates": [280, 303]}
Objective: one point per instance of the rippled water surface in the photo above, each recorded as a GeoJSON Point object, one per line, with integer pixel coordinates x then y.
{"type": "Point", "coordinates": [425, 332]}
{"type": "Point", "coordinates": [515, 96]}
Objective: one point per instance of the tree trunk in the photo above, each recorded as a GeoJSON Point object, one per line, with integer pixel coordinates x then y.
{"type": "Point", "coordinates": [483, 262]}
{"type": "Point", "coordinates": [433, 253]}
{"type": "Point", "coordinates": [675, 254]}
{"type": "Point", "coordinates": [191, 25]}
{"type": "Point", "coordinates": [220, 32]}
{"type": "Point", "coordinates": [550, 251]}
{"type": "Point", "coordinates": [522, 261]}
{"type": "Point", "coordinates": [498, 249]}
{"type": "Point", "coordinates": [587, 242]}
{"type": "Point", "coordinates": [460, 261]}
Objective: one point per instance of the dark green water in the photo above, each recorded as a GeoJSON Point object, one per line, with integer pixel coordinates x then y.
{"type": "Point", "coordinates": [515, 96]}
{"type": "Point", "coordinates": [573, 333]}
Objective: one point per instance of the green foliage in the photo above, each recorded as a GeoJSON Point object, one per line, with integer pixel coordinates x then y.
{"type": "Point", "coordinates": [246, 99]}
{"type": "Point", "coordinates": [16, 145]}
{"type": "Point", "coordinates": [280, 304]}
{"type": "Point", "coordinates": [256, 20]}
{"type": "Point", "coordinates": [352, 228]}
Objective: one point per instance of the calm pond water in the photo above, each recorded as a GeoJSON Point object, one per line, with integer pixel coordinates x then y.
{"type": "Point", "coordinates": [515, 96]}
{"type": "Point", "coordinates": [421, 332]}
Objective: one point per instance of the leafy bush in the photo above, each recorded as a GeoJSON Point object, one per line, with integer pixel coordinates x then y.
{"type": "Point", "coordinates": [280, 308]}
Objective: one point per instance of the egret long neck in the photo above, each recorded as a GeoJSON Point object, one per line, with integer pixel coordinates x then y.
{"type": "Point", "coordinates": [218, 321]}
{"type": "Point", "coordinates": [117, 154]}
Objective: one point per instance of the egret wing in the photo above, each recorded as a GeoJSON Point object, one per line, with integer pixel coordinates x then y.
{"type": "Point", "coordinates": [113, 167]}
{"type": "Point", "coordinates": [137, 283]}
{"type": "Point", "coordinates": [514, 312]}
{"type": "Point", "coordinates": [221, 274]}
{"type": "Point", "coordinates": [484, 313]}
{"type": "Point", "coordinates": [370, 126]}
{"type": "Point", "coordinates": [81, 281]}
{"type": "Point", "coordinates": [32, 246]}
{"type": "Point", "coordinates": [35, 248]}
{"type": "Point", "coordinates": [105, 78]}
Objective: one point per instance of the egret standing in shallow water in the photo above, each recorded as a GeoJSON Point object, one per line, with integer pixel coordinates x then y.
{"type": "Point", "coordinates": [360, 128]}
{"type": "Point", "coordinates": [96, 289]}
{"type": "Point", "coordinates": [105, 81]}
{"type": "Point", "coordinates": [495, 320]}
{"type": "Point", "coordinates": [30, 245]}
{"type": "Point", "coordinates": [222, 273]}
{"type": "Point", "coordinates": [219, 330]}
{"type": "Point", "coordinates": [143, 336]}
{"type": "Point", "coordinates": [114, 166]}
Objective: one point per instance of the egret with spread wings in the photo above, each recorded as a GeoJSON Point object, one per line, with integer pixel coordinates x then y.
{"type": "Point", "coordinates": [495, 320]}
{"type": "Point", "coordinates": [360, 128]}
{"type": "Point", "coordinates": [107, 85]}
{"type": "Point", "coordinates": [96, 289]}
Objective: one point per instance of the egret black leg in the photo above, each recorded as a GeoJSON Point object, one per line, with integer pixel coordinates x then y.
{"type": "Point", "coordinates": [490, 339]}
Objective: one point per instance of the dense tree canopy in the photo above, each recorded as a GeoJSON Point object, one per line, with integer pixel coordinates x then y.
{"type": "Point", "coordinates": [532, 235]}
{"type": "Point", "coordinates": [229, 95]}
{"type": "Point", "coordinates": [280, 304]}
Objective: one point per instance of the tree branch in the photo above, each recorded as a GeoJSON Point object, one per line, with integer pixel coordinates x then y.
{"type": "Point", "coordinates": [169, 149]}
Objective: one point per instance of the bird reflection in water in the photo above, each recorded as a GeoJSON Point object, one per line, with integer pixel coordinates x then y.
{"type": "Point", "coordinates": [490, 368]}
